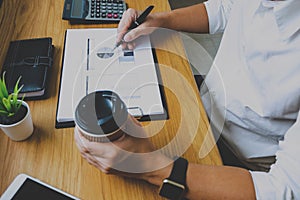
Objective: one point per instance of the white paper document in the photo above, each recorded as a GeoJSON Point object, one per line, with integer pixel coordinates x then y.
{"type": "Point", "coordinates": [90, 65]}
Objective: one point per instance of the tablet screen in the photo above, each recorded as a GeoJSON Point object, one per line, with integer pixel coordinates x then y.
{"type": "Point", "coordinates": [35, 191]}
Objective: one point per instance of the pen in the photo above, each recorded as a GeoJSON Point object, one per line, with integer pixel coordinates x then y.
{"type": "Point", "coordinates": [136, 23]}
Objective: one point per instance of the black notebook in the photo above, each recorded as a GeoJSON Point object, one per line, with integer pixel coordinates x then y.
{"type": "Point", "coordinates": [32, 60]}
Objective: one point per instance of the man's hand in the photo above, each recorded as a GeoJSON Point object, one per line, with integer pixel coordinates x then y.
{"type": "Point", "coordinates": [128, 156]}
{"type": "Point", "coordinates": [152, 22]}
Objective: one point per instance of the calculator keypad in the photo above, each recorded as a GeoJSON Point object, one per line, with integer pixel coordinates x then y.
{"type": "Point", "coordinates": [110, 10]}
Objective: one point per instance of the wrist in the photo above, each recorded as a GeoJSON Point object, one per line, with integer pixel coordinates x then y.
{"type": "Point", "coordinates": [156, 177]}
{"type": "Point", "coordinates": [170, 20]}
{"type": "Point", "coordinates": [163, 18]}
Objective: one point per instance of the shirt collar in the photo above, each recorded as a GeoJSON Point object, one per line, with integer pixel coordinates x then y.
{"type": "Point", "coordinates": [286, 13]}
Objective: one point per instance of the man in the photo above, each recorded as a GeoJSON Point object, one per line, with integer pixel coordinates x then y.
{"type": "Point", "coordinates": [258, 97]}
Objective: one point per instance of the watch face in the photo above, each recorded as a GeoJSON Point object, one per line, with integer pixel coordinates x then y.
{"type": "Point", "coordinates": [172, 190]}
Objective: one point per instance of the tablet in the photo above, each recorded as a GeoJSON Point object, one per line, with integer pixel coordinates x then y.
{"type": "Point", "coordinates": [25, 187]}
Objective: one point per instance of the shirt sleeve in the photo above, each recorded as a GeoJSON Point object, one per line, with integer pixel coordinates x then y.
{"type": "Point", "coordinates": [218, 12]}
{"type": "Point", "coordinates": [283, 179]}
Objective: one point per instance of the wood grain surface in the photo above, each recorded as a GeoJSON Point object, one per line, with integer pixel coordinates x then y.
{"type": "Point", "coordinates": [51, 154]}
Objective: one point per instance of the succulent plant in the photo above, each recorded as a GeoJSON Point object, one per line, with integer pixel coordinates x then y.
{"type": "Point", "coordinates": [9, 104]}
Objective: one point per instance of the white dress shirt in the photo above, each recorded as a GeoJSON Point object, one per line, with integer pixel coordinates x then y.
{"type": "Point", "coordinates": [254, 89]}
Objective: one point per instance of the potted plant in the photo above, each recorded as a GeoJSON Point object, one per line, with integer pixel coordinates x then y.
{"type": "Point", "coordinates": [15, 116]}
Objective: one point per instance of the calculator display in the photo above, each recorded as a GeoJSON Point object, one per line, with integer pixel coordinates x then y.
{"type": "Point", "coordinates": [77, 8]}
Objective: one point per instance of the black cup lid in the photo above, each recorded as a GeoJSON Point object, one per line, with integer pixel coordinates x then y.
{"type": "Point", "coordinates": [101, 112]}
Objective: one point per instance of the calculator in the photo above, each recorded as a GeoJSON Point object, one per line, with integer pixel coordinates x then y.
{"type": "Point", "coordinates": [93, 11]}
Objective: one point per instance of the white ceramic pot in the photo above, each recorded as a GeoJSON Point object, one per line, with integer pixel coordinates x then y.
{"type": "Point", "coordinates": [21, 130]}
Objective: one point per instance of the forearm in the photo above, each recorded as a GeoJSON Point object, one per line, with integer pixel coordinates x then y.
{"type": "Point", "coordinates": [189, 19]}
{"type": "Point", "coordinates": [212, 182]}
{"type": "Point", "coordinates": [219, 182]}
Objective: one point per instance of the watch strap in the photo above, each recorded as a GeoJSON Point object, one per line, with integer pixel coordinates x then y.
{"type": "Point", "coordinates": [174, 186]}
{"type": "Point", "coordinates": [178, 173]}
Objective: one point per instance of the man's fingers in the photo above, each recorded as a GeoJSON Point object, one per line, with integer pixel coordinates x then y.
{"type": "Point", "coordinates": [80, 141]}
{"type": "Point", "coordinates": [99, 149]}
{"type": "Point", "coordinates": [129, 16]}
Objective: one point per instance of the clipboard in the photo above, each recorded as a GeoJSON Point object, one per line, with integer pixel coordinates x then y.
{"type": "Point", "coordinates": [123, 56]}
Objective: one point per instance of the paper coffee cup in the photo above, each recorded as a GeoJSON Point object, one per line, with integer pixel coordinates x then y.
{"type": "Point", "coordinates": [101, 116]}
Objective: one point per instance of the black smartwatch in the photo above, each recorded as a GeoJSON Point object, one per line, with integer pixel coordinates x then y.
{"type": "Point", "coordinates": [174, 187]}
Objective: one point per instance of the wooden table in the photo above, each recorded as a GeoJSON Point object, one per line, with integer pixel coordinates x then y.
{"type": "Point", "coordinates": [51, 154]}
